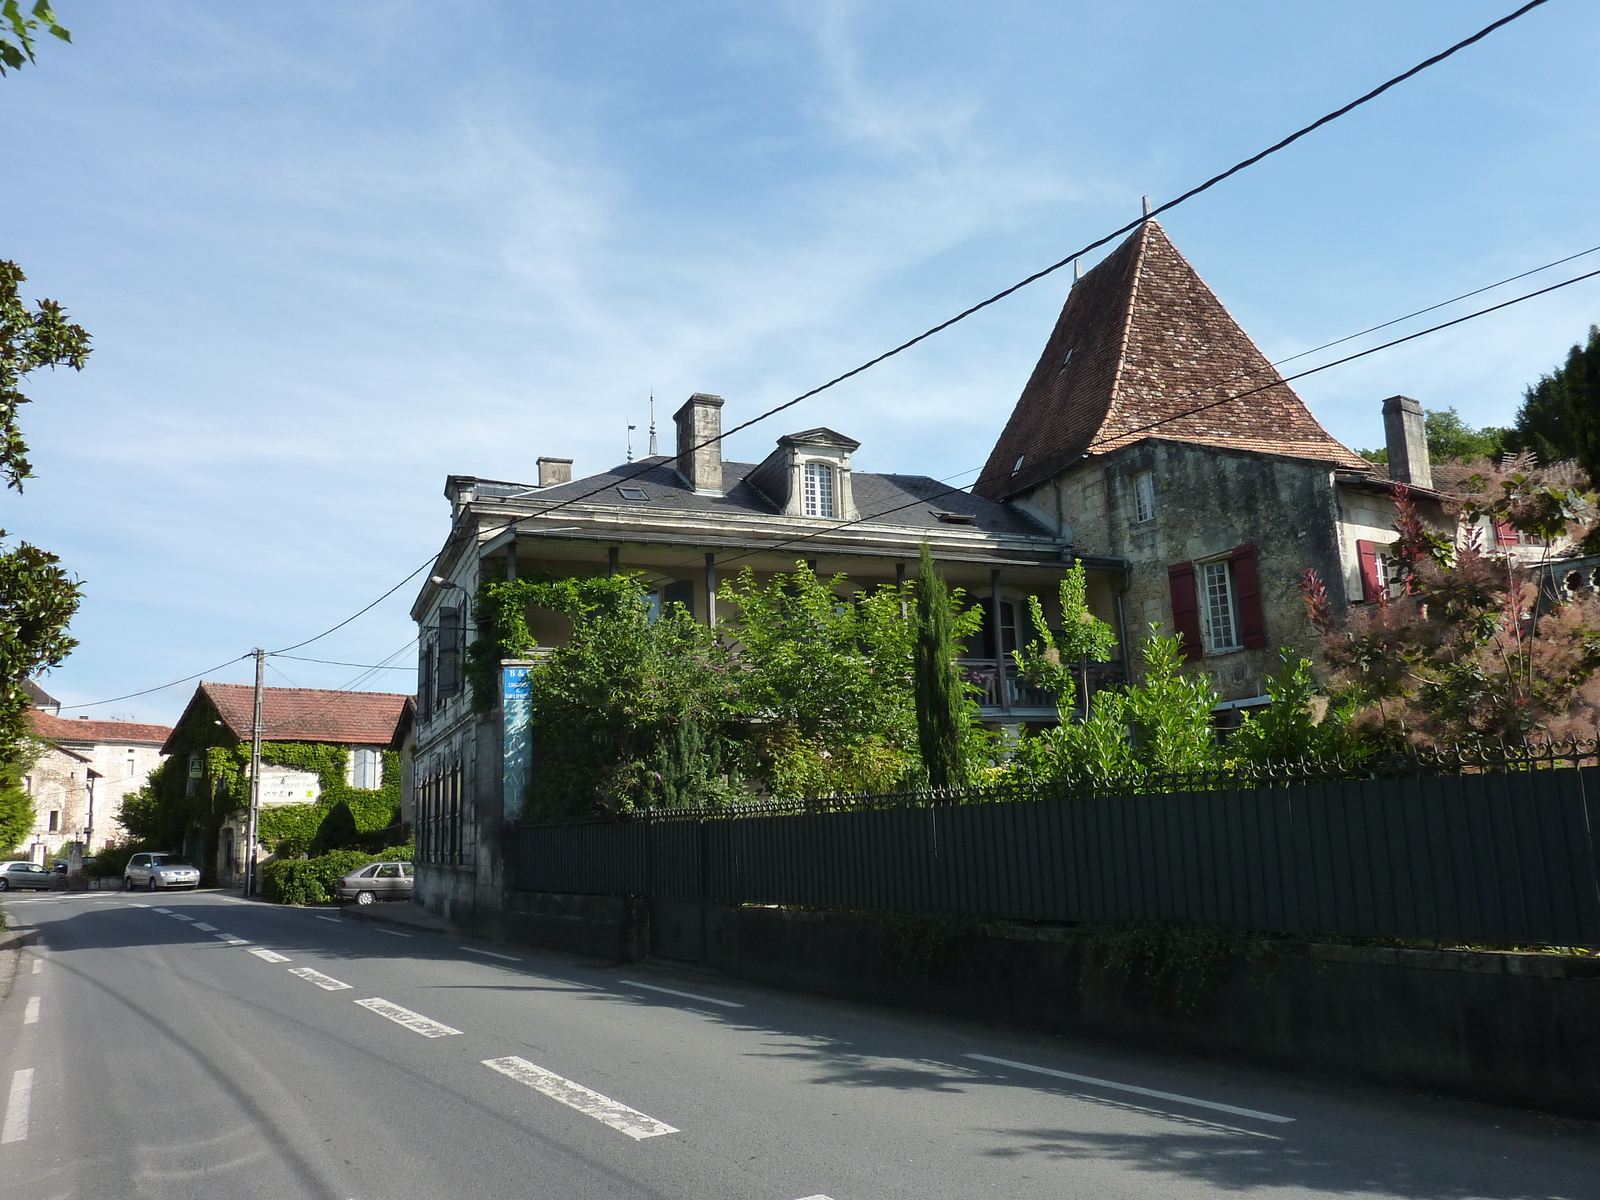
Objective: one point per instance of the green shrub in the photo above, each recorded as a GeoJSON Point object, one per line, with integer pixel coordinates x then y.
{"type": "Point", "coordinates": [309, 880]}
{"type": "Point", "coordinates": [113, 860]}
{"type": "Point", "coordinates": [316, 880]}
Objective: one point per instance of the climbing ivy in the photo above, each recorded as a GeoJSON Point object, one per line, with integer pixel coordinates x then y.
{"type": "Point", "coordinates": [164, 814]}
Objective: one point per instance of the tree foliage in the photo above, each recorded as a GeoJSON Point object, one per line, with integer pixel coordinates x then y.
{"type": "Point", "coordinates": [1450, 439]}
{"type": "Point", "coordinates": [941, 698]}
{"type": "Point", "coordinates": [1560, 415]}
{"type": "Point", "coordinates": [1160, 725]}
{"type": "Point", "coordinates": [17, 813]}
{"type": "Point", "coordinates": [1288, 729]}
{"type": "Point", "coordinates": [609, 708]}
{"type": "Point", "coordinates": [19, 26]}
{"type": "Point", "coordinates": [1083, 638]}
{"type": "Point", "coordinates": [1464, 652]}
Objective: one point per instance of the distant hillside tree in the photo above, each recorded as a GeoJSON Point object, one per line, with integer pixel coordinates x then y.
{"type": "Point", "coordinates": [1450, 439]}
{"type": "Point", "coordinates": [1560, 415]}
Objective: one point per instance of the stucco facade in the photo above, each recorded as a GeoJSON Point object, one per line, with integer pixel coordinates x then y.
{"type": "Point", "coordinates": [80, 781]}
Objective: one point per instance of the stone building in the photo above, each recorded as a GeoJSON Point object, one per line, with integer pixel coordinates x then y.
{"type": "Point", "coordinates": [1153, 430]}
{"type": "Point", "coordinates": [685, 523]}
{"type": "Point", "coordinates": [79, 782]}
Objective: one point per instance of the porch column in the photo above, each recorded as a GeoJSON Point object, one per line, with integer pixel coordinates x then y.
{"type": "Point", "coordinates": [900, 586]}
{"type": "Point", "coordinates": [999, 641]}
{"type": "Point", "coordinates": [611, 561]}
{"type": "Point", "coordinates": [711, 590]}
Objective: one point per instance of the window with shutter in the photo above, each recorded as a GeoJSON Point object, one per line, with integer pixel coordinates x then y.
{"type": "Point", "coordinates": [1247, 594]}
{"type": "Point", "coordinates": [1367, 561]}
{"type": "Point", "coordinates": [425, 677]}
{"type": "Point", "coordinates": [1185, 608]}
{"type": "Point", "coordinates": [448, 682]}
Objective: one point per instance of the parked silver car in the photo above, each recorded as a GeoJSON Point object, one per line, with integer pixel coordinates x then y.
{"type": "Point", "coordinates": [379, 881]}
{"type": "Point", "coordinates": [159, 871]}
{"type": "Point", "coordinates": [25, 875]}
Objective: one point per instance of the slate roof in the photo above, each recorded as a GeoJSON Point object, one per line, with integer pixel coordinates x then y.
{"type": "Point", "coordinates": [59, 729]}
{"type": "Point", "coordinates": [911, 500]}
{"type": "Point", "coordinates": [1141, 344]}
{"type": "Point", "coordinates": [306, 714]}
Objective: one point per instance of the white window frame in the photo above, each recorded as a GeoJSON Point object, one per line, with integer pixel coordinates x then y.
{"type": "Point", "coordinates": [1144, 497]}
{"type": "Point", "coordinates": [373, 757]}
{"type": "Point", "coordinates": [1212, 614]}
{"type": "Point", "coordinates": [821, 489]}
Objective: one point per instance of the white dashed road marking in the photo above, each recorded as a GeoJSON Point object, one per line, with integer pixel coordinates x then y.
{"type": "Point", "coordinates": [38, 965]}
{"type": "Point", "coordinates": [574, 1095]}
{"type": "Point", "coordinates": [231, 939]}
{"type": "Point", "coordinates": [203, 925]}
{"type": "Point", "coordinates": [335, 920]}
{"type": "Point", "coordinates": [180, 917]}
{"type": "Point", "coordinates": [1137, 1091]}
{"type": "Point", "coordinates": [30, 1015]}
{"type": "Point", "coordinates": [326, 982]}
{"type": "Point", "coordinates": [686, 995]}
{"type": "Point", "coordinates": [394, 933]}
{"type": "Point", "coordinates": [490, 954]}
{"type": "Point", "coordinates": [168, 911]}
{"type": "Point", "coordinates": [136, 904]}
{"type": "Point", "coordinates": [268, 956]}
{"type": "Point", "coordinates": [415, 1022]}
{"type": "Point", "coordinates": [16, 1126]}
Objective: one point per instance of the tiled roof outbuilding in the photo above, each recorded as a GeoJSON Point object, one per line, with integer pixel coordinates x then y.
{"type": "Point", "coordinates": [59, 729]}
{"type": "Point", "coordinates": [306, 714]}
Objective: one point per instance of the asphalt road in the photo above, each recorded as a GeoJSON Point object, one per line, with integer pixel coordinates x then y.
{"type": "Point", "coordinates": [250, 1050]}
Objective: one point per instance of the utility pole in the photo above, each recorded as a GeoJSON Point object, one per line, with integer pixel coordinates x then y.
{"type": "Point", "coordinates": [255, 780]}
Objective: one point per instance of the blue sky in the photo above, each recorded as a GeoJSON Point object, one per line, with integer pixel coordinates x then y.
{"type": "Point", "coordinates": [331, 253]}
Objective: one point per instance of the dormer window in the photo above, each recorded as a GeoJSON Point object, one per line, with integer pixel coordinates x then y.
{"type": "Point", "coordinates": [819, 490]}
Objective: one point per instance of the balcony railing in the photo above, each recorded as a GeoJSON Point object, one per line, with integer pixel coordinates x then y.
{"type": "Point", "coordinates": [1021, 697]}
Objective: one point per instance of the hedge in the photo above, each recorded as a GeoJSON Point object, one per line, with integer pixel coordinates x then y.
{"type": "Point", "coordinates": [316, 880]}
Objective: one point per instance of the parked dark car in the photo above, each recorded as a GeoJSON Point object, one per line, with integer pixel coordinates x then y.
{"type": "Point", "coordinates": [25, 875]}
{"type": "Point", "coordinates": [377, 881]}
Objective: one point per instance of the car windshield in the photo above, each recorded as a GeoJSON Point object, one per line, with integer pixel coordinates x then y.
{"type": "Point", "coordinates": [166, 860]}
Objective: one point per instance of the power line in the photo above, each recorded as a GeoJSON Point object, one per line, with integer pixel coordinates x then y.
{"type": "Point", "coordinates": [161, 688]}
{"type": "Point", "coordinates": [1488, 287]}
{"type": "Point", "coordinates": [998, 296]}
{"type": "Point", "coordinates": [328, 662]}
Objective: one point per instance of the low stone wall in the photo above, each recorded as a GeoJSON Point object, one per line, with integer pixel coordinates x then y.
{"type": "Point", "coordinates": [1516, 1029]}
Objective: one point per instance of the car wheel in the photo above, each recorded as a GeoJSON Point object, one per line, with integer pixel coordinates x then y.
{"type": "Point", "coordinates": [152, 884]}
{"type": "Point", "coordinates": [127, 883]}
{"type": "Point", "coordinates": [361, 897]}
{"type": "Point", "coordinates": [5, 885]}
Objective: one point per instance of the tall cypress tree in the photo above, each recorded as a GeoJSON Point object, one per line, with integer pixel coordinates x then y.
{"type": "Point", "coordinates": [940, 698]}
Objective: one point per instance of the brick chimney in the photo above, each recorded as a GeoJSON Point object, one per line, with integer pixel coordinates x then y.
{"type": "Point", "coordinates": [554, 470]}
{"type": "Point", "coordinates": [1407, 438]}
{"type": "Point", "coordinates": [700, 421]}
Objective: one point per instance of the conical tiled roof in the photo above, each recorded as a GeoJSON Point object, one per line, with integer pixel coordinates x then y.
{"type": "Point", "coordinates": [1144, 349]}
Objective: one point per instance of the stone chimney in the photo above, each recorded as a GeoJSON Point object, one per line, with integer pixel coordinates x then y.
{"type": "Point", "coordinates": [554, 470]}
{"type": "Point", "coordinates": [1407, 438]}
{"type": "Point", "coordinates": [700, 421]}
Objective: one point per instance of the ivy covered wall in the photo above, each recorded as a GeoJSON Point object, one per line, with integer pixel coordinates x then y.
{"type": "Point", "coordinates": [170, 815]}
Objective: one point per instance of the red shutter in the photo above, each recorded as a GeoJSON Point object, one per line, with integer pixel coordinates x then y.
{"type": "Point", "coordinates": [1367, 558]}
{"type": "Point", "coordinates": [1247, 591]}
{"type": "Point", "coordinates": [1185, 609]}
{"type": "Point", "coordinates": [1504, 533]}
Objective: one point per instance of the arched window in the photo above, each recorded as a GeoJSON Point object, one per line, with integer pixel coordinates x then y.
{"type": "Point", "coordinates": [819, 490]}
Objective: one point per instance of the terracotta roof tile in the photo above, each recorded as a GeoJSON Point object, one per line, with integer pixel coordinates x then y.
{"type": "Point", "coordinates": [309, 714]}
{"type": "Point", "coordinates": [59, 729]}
{"type": "Point", "coordinates": [1141, 344]}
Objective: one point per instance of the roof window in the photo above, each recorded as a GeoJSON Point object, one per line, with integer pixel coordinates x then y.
{"type": "Point", "coordinates": [634, 493]}
{"type": "Point", "coordinates": [954, 518]}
